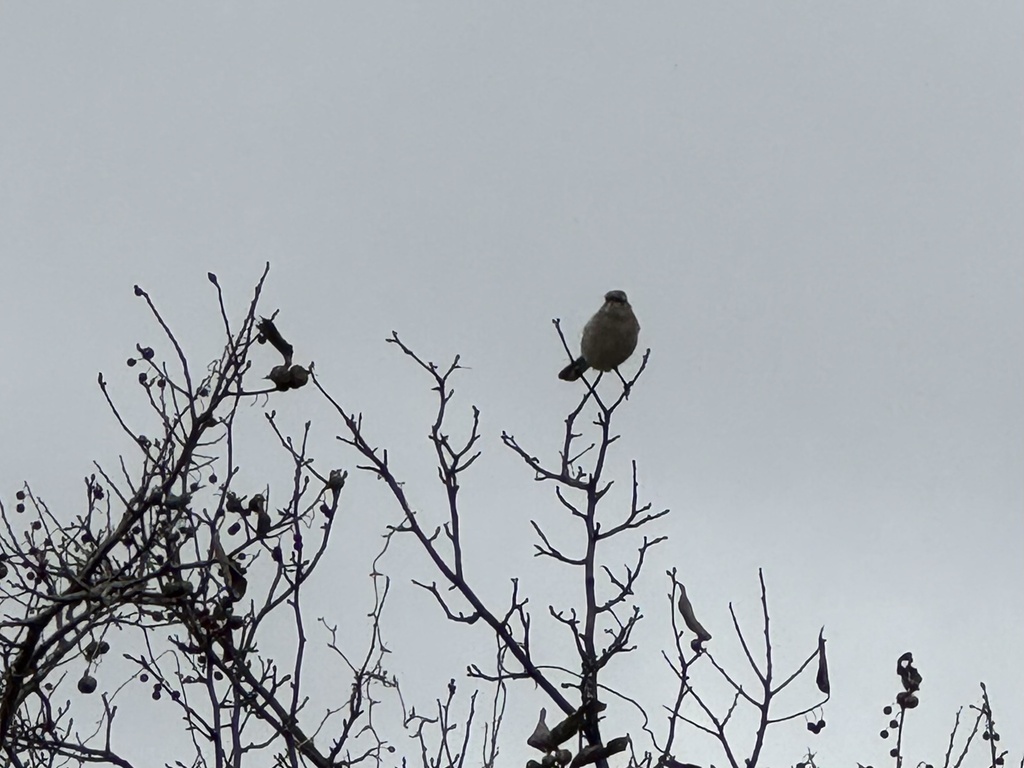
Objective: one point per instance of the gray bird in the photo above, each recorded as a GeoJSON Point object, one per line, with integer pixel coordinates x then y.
{"type": "Point", "coordinates": [609, 338]}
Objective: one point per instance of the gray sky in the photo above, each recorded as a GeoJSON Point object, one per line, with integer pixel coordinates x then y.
{"type": "Point", "coordinates": [815, 210]}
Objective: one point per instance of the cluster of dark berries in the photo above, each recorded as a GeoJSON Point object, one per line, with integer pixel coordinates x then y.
{"type": "Point", "coordinates": [906, 699]}
{"type": "Point", "coordinates": [145, 353]}
{"type": "Point", "coordinates": [990, 734]}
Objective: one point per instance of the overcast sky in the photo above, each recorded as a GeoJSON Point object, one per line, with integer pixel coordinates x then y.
{"type": "Point", "coordinates": [815, 208]}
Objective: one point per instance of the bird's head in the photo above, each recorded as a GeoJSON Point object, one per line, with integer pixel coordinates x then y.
{"type": "Point", "coordinates": [616, 297]}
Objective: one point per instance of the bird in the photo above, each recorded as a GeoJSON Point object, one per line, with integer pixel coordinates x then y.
{"type": "Point", "coordinates": [609, 338]}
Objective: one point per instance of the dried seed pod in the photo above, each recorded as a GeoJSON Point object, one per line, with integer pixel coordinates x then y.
{"type": "Point", "coordinates": [688, 616]}
{"type": "Point", "coordinates": [234, 504]}
{"type": "Point", "coordinates": [588, 755]}
{"type": "Point", "coordinates": [618, 744]}
{"type": "Point", "coordinates": [299, 376]}
{"type": "Point", "coordinates": [336, 480]}
{"type": "Point", "coordinates": [95, 649]}
{"type": "Point", "coordinates": [262, 524]}
{"type": "Point", "coordinates": [176, 588]}
{"type": "Point", "coordinates": [541, 736]}
{"type": "Point", "coordinates": [822, 677]}
{"type": "Point", "coordinates": [177, 502]}
{"type": "Point", "coordinates": [908, 673]}
{"type": "Point", "coordinates": [281, 376]}
{"type": "Point", "coordinates": [566, 729]}
{"type": "Point", "coordinates": [573, 724]}
{"type": "Point", "coordinates": [907, 700]}
{"type": "Point", "coordinates": [232, 573]}
{"type": "Point", "coordinates": [269, 332]}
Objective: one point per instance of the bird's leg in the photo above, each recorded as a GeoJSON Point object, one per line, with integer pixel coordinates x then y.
{"type": "Point", "coordinates": [625, 384]}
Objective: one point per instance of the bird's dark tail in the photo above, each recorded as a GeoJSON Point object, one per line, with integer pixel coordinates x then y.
{"type": "Point", "coordinates": [573, 370]}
